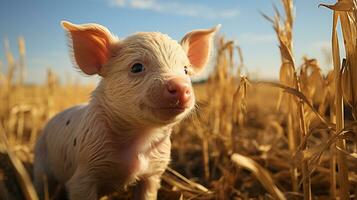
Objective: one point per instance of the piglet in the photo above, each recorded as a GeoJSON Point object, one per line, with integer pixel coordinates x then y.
{"type": "Point", "coordinates": [122, 136]}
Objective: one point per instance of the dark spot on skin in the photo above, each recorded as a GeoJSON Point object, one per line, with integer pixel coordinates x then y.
{"type": "Point", "coordinates": [68, 122]}
{"type": "Point", "coordinates": [74, 141]}
{"type": "Point", "coordinates": [65, 158]}
{"type": "Point", "coordinates": [84, 137]}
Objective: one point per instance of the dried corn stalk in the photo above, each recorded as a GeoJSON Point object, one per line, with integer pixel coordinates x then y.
{"type": "Point", "coordinates": [345, 78]}
{"type": "Point", "coordinates": [22, 54]}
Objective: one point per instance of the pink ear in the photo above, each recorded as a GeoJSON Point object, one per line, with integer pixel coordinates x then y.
{"type": "Point", "coordinates": [197, 45]}
{"type": "Point", "coordinates": [91, 45]}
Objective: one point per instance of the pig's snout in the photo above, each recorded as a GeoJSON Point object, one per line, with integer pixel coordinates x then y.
{"type": "Point", "coordinates": [171, 96]}
{"type": "Point", "coordinates": [178, 92]}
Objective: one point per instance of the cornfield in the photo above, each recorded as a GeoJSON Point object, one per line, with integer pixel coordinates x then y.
{"type": "Point", "coordinates": [294, 138]}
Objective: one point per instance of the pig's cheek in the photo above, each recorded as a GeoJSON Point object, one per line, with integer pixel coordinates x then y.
{"type": "Point", "coordinates": [142, 98]}
{"type": "Point", "coordinates": [151, 96]}
{"type": "Point", "coordinates": [192, 101]}
{"type": "Point", "coordinates": [143, 163]}
{"type": "Point", "coordinates": [191, 106]}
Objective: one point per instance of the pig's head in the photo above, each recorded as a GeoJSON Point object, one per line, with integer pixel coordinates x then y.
{"type": "Point", "coordinates": [146, 76]}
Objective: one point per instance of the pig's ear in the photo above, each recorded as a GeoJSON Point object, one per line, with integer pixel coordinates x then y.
{"type": "Point", "coordinates": [197, 45]}
{"type": "Point", "coordinates": [90, 44]}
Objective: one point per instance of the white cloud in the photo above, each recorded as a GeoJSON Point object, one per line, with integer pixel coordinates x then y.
{"type": "Point", "coordinates": [175, 7]}
{"type": "Point", "coordinates": [254, 38]}
{"type": "Point", "coordinates": [145, 5]}
{"type": "Point", "coordinates": [322, 45]}
{"type": "Point", "coordinates": [120, 3]}
{"type": "Point", "coordinates": [323, 52]}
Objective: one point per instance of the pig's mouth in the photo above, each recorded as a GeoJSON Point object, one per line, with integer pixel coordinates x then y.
{"type": "Point", "coordinates": [168, 107]}
{"type": "Point", "coordinates": [175, 108]}
{"type": "Point", "coordinates": [167, 112]}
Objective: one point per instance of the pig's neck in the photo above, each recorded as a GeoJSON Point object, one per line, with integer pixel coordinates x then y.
{"type": "Point", "coordinates": [127, 134]}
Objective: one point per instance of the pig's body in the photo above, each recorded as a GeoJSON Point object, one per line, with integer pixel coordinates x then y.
{"type": "Point", "coordinates": [122, 136]}
{"type": "Point", "coordinates": [84, 148]}
{"type": "Point", "coordinates": [60, 161]}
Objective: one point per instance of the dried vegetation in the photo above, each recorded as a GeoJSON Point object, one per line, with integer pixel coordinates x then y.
{"type": "Point", "coordinates": [292, 139]}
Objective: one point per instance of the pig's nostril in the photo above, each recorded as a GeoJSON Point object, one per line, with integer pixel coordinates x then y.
{"type": "Point", "coordinates": [171, 89]}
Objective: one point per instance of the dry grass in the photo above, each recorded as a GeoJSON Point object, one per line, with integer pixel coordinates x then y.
{"type": "Point", "coordinates": [292, 139]}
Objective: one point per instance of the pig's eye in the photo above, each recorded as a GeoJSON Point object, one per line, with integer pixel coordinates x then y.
{"type": "Point", "coordinates": [137, 68]}
{"type": "Point", "coordinates": [186, 70]}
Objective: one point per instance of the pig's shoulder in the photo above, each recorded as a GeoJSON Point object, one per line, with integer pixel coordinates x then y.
{"type": "Point", "coordinates": [67, 118]}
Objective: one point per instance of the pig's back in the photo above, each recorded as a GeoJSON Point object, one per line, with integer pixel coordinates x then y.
{"type": "Point", "coordinates": [61, 134]}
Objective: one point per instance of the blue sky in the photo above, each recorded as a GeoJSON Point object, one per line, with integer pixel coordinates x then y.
{"type": "Point", "coordinates": [39, 22]}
